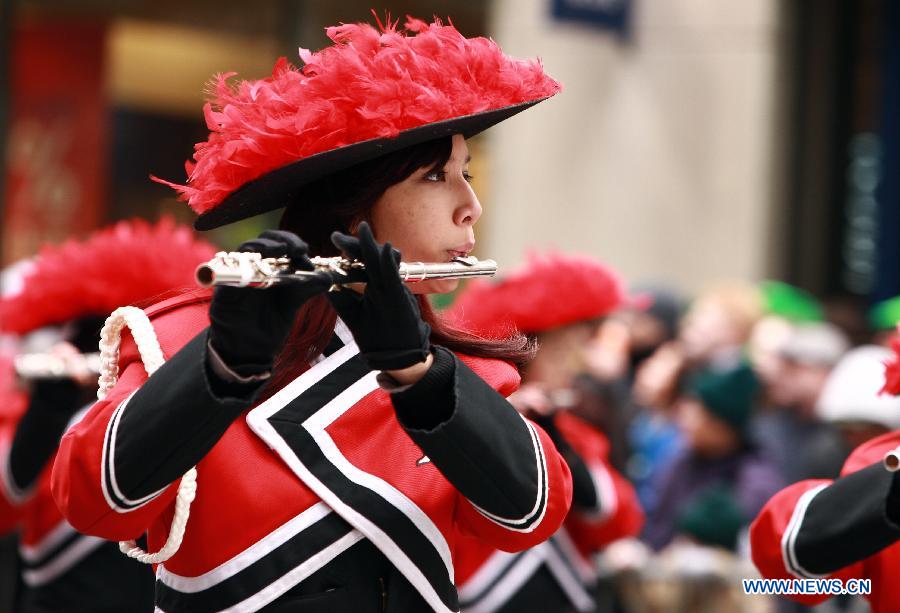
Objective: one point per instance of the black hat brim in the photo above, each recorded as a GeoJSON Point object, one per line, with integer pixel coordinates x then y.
{"type": "Point", "coordinates": [275, 189]}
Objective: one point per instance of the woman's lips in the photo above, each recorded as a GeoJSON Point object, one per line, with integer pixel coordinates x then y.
{"type": "Point", "coordinates": [457, 254]}
{"type": "Point", "coordinates": [461, 251]}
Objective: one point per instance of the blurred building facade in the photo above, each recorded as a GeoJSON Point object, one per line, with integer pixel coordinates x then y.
{"type": "Point", "coordinates": [658, 155]}
{"type": "Point", "coordinates": [694, 139]}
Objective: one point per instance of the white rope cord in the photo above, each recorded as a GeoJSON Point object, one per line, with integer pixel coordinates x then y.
{"type": "Point", "coordinates": [152, 357]}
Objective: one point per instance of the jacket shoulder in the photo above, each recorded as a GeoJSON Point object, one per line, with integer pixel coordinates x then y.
{"type": "Point", "coordinates": [582, 435]}
{"type": "Point", "coordinates": [499, 374]}
{"type": "Point", "coordinates": [181, 301]}
{"type": "Point", "coordinates": [871, 451]}
{"type": "Point", "coordinates": [175, 321]}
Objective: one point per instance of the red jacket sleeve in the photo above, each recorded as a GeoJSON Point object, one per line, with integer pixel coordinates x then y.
{"type": "Point", "coordinates": [771, 537]}
{"type": "Point", "coordinates": [13, 403]}
{"type": "Point", "coordinates": [774, 532]}
{"type": "Point", "coordinates": [83, 481]}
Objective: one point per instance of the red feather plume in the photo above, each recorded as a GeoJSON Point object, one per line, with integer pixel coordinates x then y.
{"type": "Point", "coordinates": [372, 83]}
{"type": "Point", "coordinates": [549, 291]}
{"type": "Point", "coordinates": [892, 368]}
{"type": "Point", "coordinates": [127, 262]}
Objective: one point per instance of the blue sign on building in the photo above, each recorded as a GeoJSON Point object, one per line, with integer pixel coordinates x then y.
{"type": "Point", "coordinates": [606, 14]}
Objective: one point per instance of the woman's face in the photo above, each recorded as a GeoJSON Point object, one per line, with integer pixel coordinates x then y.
{"type": "Point", "coordinates": [430, 216]}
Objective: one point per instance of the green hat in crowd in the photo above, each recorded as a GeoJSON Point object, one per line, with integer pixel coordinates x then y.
{"type": "Point", "coordinates": [790, 302]}
{"type": "Point", "coordinates": [885, 315]}
{"type": "Point", "coordinates": [712, 518]}
{"type": "Point", "coordinates": [728, 393]}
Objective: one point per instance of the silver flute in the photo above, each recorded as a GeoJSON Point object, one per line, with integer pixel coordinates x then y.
{"type": "Point", "coordinates": [247, 269]}
{"type": "Point", "coordinates": [49, 366]}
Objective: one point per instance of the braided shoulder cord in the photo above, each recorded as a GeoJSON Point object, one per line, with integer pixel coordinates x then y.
{"type": "Point", "coordinates": [152, 357]}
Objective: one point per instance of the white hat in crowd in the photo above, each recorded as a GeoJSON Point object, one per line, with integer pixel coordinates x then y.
{"type": "Point", "coordinates": [851, 391]}
{"type": "Point", "coordinates": [815, 344]}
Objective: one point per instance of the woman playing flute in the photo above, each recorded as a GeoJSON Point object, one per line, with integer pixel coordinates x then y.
{"type": "Point", "coordinates": [345, 442]}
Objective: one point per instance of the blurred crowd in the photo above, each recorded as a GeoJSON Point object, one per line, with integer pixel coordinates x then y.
{"type": "Point", "coordinates": [712, 403]}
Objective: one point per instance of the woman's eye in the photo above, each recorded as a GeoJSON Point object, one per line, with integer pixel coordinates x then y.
{"type": "Point", "coordinates": [438, 176]}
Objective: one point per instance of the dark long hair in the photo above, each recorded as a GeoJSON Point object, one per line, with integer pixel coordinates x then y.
{"type": "Point", "coordinates": [339, 202]}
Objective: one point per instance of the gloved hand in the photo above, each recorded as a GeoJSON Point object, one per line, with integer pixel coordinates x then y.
{"type": "Point", "coordinates": [52, 403]}
{"type": "Point", "coordinates": [249, 326]}
{"type": "Point", "coordinates": [385, 319]}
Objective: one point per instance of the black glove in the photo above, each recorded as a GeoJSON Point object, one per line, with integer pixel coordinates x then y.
{"type": "Point", "coordinates": [385, 319]}
{"type": "Point", "coordinates": [249, 326]}
{"type": "Point", "coordinates": [50, 407]}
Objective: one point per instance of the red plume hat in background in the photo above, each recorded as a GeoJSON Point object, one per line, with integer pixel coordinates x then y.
{"type": "Point", "coordinates": [372, 92]}
{"type": "Point", "coordinates": [127, 262]}
{"type": "Point", "coordinates": [549, 291]}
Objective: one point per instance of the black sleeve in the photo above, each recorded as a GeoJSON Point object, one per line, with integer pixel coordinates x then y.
{"type": "Point", "coordinates": [584, 494]}
{"type": "Point", "coordinates": [853, 518]}
{"type": "Point", "coordinates": [607, 406]}
{"type": "Point", "coordinates": [476, 439]}
{"type": "Point", "coordinates": [173, 420]}
{"type": "Point", "coordinates": [51, 406]}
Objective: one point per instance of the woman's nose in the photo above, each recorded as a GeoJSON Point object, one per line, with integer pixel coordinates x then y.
{"type": "Point", "coordinates": [470, 210]}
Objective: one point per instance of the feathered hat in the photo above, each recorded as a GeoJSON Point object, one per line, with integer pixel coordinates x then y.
{"type": "Point", "coordinates": [127, 262]}
{"type": "Point", "coordinates": [549, 291]}
{"type": "Point", "coordinates": [372, 92]}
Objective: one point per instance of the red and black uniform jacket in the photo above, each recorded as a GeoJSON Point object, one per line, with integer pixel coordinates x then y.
{"type": "Point", "coordinates": [843, 529]}
{"type": "Point", "coordinates": [330, 495]}
{"type": "Point", "coordinates": [558, 574]}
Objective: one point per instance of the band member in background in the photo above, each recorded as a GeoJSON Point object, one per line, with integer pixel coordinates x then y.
{"type": "Point", "coordinates": [13, 402]}
{"type": "Point", "coordinates": [339, 462]}
{"type": "Point", "coordinates": [65, 294]}
{"type": "Point", "coordinates": [557, 300]}
{"type": "Point", "coordinates": [847, 528]}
